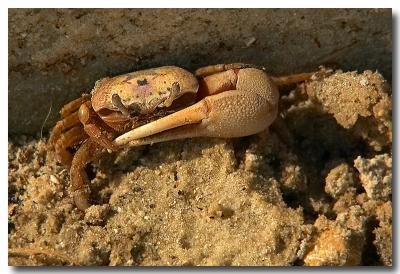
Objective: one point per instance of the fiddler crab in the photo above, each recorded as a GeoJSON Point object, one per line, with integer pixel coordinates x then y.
{"type": "Point", "coordinates": [163, 104]}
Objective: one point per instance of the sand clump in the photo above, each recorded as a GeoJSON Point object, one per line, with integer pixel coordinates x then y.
{"type": "Point", "coordinates": [340, 180]}
{"type": "Point", "coordinates": [376, 176]}
{"type": "Point", "coordinates": [339, 242]}
{"type": "Point", "coordinates": [383, 233]}
{"type": "Point", "coordinates": [366, 110]}
{"type": "Point", "coordinates": [313, 190]}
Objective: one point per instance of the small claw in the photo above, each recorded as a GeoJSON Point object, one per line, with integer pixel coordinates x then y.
{"type": "Point", "coordinates": [74, 105]}
{"type": "Point", "coordinates": [100, 132]}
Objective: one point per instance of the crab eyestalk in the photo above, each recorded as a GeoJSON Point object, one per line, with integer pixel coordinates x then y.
{"type": "Point", "coordinates": [116, 100]}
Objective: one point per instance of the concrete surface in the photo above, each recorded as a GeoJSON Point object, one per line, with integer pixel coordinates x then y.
{"type": "Point", "coordinates": [56, 54]}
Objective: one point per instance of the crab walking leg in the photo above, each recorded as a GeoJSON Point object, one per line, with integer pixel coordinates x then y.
{"type": "Point", "coordinates": [247, 110]}
{"type": "Point", "coordinates": [74, 105]}
{"type": "Point", "coordinates": [68, 139]}
{"type": "Point", "coordinates": [79, 179]}
{"type": "Point", "coordinates": [279, 80]}
{"type": "Point", "coordinates": [66, 123]}
{"type": "Point", "coordinates": [292, 79]}
{"type": "Point", "coordinates": [208, 70]}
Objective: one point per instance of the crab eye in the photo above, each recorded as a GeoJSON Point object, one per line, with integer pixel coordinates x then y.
{"type": "Point", "coordinates": [117, 102]}
{"type": "Point", "coordinates": [176, 88]}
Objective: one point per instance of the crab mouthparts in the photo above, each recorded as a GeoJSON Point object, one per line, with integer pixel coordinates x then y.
{"type": "Point", "coordinates": [137, 114]}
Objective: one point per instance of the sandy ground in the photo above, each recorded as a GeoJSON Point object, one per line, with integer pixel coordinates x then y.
{"type": "Point", "coordinates": [313, 190]}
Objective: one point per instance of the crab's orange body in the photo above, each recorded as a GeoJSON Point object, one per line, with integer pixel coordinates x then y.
{"type": "Point", "coordinates": [163, 104]}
